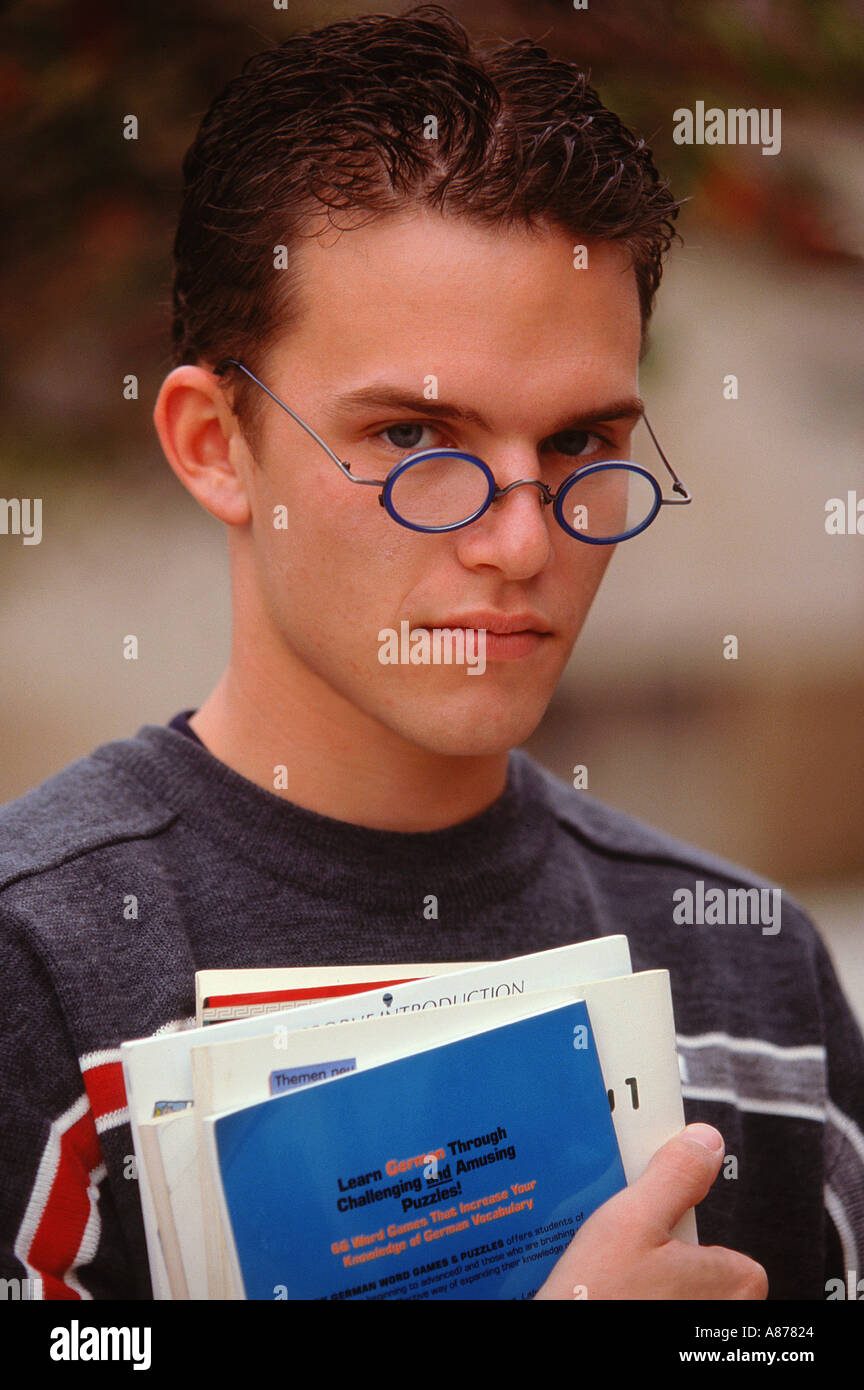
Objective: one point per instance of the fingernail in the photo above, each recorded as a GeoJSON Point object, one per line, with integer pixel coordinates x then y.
{"type": "Point", "coordinates": [706, 1135]}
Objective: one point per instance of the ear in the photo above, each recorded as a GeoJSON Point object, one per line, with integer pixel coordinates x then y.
{"type": "Point", "coordinates": [203, 443]}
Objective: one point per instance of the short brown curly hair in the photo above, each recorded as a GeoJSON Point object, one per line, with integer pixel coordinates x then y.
{"type": "Point", "coordinates": [333, 121]}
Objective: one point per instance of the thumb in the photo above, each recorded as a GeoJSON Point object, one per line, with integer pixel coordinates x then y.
{"type": "Point", "coordinates": [679, 1175]}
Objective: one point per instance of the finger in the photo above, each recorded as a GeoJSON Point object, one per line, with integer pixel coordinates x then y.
{"type": "Point", "coordinates": [678, 1176]}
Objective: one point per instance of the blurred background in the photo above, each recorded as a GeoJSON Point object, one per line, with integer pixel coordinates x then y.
{"type": "Point", "coordinates": [760, 759]}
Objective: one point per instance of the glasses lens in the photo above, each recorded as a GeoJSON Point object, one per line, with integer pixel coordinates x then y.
{"type": "Point", "coordinates": [439, 490]}
{"type": "Point", "coordinates": [609, 502]}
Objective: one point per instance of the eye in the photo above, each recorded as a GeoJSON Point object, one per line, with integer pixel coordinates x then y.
{"type": "Point", "coordinates": [409, 436]}
{"type": "Point", "coordinates": [573, 443]}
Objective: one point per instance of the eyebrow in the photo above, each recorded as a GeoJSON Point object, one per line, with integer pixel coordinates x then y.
{"type": "Point", "coordinates": [394, 398]}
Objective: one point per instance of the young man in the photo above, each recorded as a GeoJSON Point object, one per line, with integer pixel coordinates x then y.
{"type": "Point", "coordinates": [380, 228]}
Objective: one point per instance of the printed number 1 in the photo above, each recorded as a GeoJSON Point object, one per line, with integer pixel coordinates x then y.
{"type": "Point", "coordinates": [634, 1093]}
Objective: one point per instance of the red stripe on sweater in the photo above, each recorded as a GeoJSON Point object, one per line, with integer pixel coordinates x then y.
{"type": "Point", "coordinates": [105, 1088]}
{"type": "Point", "coordinates": [61, 1228]}
{"type": "Point", "coordinates": [67, 1210]}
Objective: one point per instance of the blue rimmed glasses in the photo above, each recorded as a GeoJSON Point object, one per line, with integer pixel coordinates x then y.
{"type": "Point", "coordinates": [436, 490]}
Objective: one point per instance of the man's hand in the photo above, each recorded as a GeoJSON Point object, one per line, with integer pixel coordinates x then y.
{"type": "Point", "coordinates": [625, 1249]}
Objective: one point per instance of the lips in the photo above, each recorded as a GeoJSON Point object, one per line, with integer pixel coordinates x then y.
{"type": "Point", "coordinates": [498, 624]}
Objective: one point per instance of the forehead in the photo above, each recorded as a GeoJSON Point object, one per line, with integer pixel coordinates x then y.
{"type": "Point", "coordinates": [439, 295]}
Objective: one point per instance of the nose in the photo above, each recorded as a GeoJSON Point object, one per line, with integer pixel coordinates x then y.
{"type": "Point", "coordinates": [513, 535]}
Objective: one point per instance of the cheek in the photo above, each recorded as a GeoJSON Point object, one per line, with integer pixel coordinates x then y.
{"type": "Point", "coordinates": [582, 567]}
{"type": "Point", "coordinates": [596, 564]}
{"type": "Point", "coordinates": [334, 559]}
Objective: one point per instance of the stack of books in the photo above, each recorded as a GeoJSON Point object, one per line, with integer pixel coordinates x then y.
{"type": "Point", "coordinates": [401, 1131]}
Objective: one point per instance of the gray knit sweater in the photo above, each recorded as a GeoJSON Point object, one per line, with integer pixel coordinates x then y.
{"type": "Point", "coordinates": [150, 859]}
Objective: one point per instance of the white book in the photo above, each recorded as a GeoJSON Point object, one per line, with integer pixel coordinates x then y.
{"type": "Point", "coordinates": [170, 1148]}
{"type": "Point", "coordinates": [164, 1217]}
{"type": "Point", "coordinates": [160, 1067]}
{"type": "Point", "coordinates": [634, 1032]}
{"type": "Point", "coordinates": [631, 1019]}
{"type": "Point", "coordinates": [223, 995]}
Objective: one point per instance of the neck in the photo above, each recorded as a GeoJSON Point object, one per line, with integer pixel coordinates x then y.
{"type": "Point", "coordinates": [294, 735]}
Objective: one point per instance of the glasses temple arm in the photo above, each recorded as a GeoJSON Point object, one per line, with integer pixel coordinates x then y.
{"type": "Point", "coordinates": [677, 485]}
{"type": "Point", "coordinates": [302, 423]}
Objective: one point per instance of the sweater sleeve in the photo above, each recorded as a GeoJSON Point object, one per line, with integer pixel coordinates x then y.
{"type": "Point", "coordinates": [844, 1129]}
{"type": "Point", "coordinates": [59, 1237]}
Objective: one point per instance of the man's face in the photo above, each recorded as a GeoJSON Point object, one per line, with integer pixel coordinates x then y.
{"type": "Point", "coordinates": [530, 357]}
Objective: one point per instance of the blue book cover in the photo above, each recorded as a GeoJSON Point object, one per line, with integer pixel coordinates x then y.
{"type": "Point", "coordinates": [462, 1172]}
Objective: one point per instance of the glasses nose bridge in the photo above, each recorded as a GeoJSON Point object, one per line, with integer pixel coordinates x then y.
{"type": "Point", "coordinates": [546, 497]}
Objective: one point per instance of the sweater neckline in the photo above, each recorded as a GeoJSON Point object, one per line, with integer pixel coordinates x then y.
{"type": "Point", "coordinates": [480, 860]}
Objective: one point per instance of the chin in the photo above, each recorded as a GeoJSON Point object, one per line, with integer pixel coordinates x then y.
{"type": "Point", "coordinates": [471, 744]}
{"type": "Point", "coordinates": [478, 732]}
